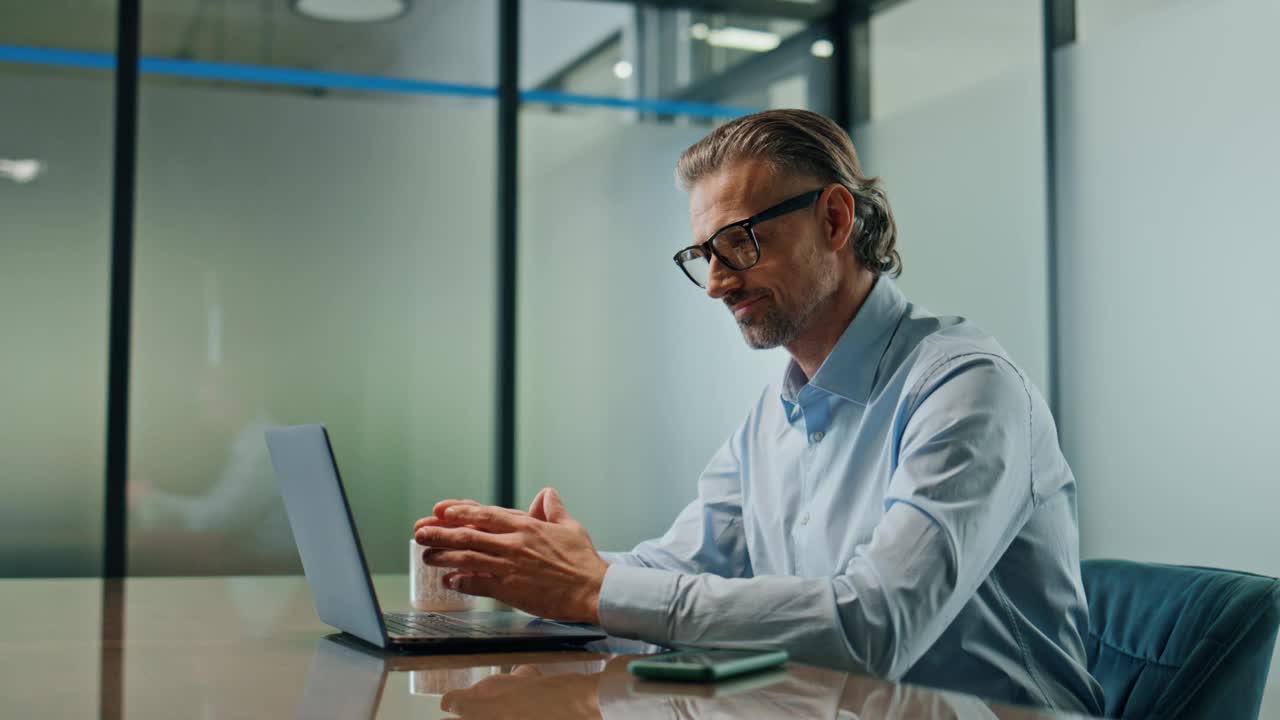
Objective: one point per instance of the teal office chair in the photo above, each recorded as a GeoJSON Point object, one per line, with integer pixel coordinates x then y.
{"type": "Point", "coordinates": [1167, 641]}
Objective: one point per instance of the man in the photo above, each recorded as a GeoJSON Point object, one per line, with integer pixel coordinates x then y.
{"type": "Point", "coordinates": [898, 505]}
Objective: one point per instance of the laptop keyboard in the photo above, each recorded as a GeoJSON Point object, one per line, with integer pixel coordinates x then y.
{"type": "Point", "coordinates": [432, 625]}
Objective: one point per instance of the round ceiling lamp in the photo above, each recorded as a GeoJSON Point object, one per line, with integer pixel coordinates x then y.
{"type": "Point", "coordinates": [352, 11]}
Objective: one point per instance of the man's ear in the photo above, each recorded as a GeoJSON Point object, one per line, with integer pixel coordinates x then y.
{"type": "Point", "coordinates": [838, 205]}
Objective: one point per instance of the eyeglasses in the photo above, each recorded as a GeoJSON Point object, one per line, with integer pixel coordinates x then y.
{"type": "Point", "coordinates": [735, 244]}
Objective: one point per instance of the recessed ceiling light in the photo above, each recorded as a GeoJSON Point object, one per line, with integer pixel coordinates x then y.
{"type": "Point", "coordinates": [21, 171]}
{"type": "Point", "coordinates": [743, 39]}
{"type": "Point", "coordinates": [822, 48]}
{"type": "Point", "coordinates": [352, 10]}
{"type": "Point", "coordinates": [622, 69]}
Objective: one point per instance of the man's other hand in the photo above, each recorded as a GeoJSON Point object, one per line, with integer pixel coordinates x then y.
{"type": "Point", "coordinates": [542, 562]}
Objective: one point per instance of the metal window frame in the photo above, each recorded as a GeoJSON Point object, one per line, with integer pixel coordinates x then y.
{"type": "Point", "coordinates": [123, 190]}
{"type": "Point", "coordinates": [1058, 20]}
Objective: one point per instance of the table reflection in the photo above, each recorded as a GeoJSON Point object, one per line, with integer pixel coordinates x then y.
{"type": "Point", "coordinates": [349, 680]}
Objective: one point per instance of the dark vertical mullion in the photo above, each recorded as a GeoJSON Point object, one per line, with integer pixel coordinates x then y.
{"type": "Point", "coordinates": [849, 30]}
{"type": "Point", "coordinates": [840, 102]}
{"type": "Point", "coordinates": [508, 156]}
{"type": "Point", "coordinates": [114, 544]}
{"type": "Point", "coordinates": [121, 283]}
{"type": "Point", "coordinates": [1058, 23]}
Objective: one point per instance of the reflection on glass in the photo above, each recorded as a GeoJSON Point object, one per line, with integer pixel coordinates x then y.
{"type": "Point", "coordinates": [309, 255]}
{"type": "Point", "coordinates": [240, 512]}
{"type": "Point", "coordinates": [55, 236]}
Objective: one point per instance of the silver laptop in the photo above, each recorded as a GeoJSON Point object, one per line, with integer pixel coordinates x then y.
{"type": "Point", "coordinates": [334, 563]}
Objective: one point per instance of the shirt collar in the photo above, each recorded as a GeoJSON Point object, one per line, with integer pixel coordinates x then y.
{"type": "Point", "coordinates": [850, 369]}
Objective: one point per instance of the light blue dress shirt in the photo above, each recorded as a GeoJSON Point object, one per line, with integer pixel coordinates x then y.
{"type": "Point", "coordinates": [907, 513]}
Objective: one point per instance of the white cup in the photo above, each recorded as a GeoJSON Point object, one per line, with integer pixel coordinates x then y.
{"type": "Point", "coordinates": [427, 592]}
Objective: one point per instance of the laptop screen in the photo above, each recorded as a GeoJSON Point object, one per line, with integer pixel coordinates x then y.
{"type": "Point", "coordinates": [325, 531]}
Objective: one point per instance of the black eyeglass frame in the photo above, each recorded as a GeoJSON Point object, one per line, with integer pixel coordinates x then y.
{"type": "Point", "coordinates": [707, 249]}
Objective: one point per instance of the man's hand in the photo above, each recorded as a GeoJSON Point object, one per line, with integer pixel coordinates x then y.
{"type": "Point", "coordinates": [543, 563]}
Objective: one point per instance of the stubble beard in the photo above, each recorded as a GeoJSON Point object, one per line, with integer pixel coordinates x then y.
{"type": "Point", "coordinates": [768, 328]}
{"type": "Point", "coordinates": [773, 326]}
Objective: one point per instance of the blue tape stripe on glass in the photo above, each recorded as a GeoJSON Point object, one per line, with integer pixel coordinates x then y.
{"type": "Point", "coordinates": [243, 73]}
{"type": "Point", "coordinates": [61, 58]}
{"type": "Point", "coordinates": [347, 81]}
{"type": "Point", "coordinates": [664, 107]}
{"type": "Point", "coordinates": [307, 78]}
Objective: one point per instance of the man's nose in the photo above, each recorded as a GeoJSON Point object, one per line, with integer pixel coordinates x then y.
{"type": "Point", "coordinates": [721, 279]}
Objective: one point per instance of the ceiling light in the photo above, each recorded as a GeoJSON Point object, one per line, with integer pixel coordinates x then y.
{"type": "Point", "coordinates": [622, 69]}
{"type": "Point", "coordinates": [20, 171]}
{"type": "Point", "coordinates": [822, 48]}
{"type": "Point", "coordinates": [699, 31]}
{"type": "Point", "coordinates": [352, 10]}
{"type": "Point", "coordinates": [743, 39]}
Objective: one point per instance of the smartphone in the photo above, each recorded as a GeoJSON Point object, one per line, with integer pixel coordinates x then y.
{"type": "Point", "coordinates": [705, 664]}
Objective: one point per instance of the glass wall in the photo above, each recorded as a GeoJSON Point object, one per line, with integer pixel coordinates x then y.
{"type": "Point", "coordinates": [55, 236]}
{"type": "Point", "coordinates": [315, 243]}
{"type": "Point", "coordinates": [311, 247]}
{"type": "Point", "coordinates": [1098, 16]}
{"type": "Point", "coordinates": [629, 378]}
{"type": "Point", "coordinates": [955, 128]}
{"type": "Point", "coordinates": [1168, 286]}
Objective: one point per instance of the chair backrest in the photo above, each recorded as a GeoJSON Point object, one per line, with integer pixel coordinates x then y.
{"type": "Point", "coordinates": [1169, 641]}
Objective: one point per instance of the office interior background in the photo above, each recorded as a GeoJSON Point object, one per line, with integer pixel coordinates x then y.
{"type": "Point", "coordinates": [447, 236]}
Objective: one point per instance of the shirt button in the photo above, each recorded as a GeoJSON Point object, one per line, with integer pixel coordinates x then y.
{"type": "Point", "coordinates": [817, 437]}
{"type": "Point", "coordinates": [804, 519]}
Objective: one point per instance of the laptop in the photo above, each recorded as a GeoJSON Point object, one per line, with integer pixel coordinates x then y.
{"type": "Point", "coordinates": [335, 566]}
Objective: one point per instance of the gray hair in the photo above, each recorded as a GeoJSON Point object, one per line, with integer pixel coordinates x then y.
{"type": "Point", "coordinates": [804, 143]}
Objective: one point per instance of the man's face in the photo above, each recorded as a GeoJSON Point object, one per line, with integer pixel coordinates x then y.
{"type": "Point", "coordinates": [774, 301]}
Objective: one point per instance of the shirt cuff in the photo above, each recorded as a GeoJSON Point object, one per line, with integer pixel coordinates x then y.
{"type": "Point", "coordinates": [635, 602]}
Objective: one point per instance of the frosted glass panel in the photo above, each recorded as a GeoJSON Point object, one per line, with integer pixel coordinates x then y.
{"type": "Point", "coordinates": [637, 51]}
{"type": "Point", "coordinates": [957, 134]}
{"type": "Point", "coordinates": [307, 259]}
{"type": "Point", "coordinates": [449, 41]}
{"type": "Point", "coordinates": [923, 51]}
{"type": "Point", "coordinates": [55, 231]}
{"type": "Point", "coordinates": [629, 376]}
{"type": "Point", "coordinates": [1100, 16]}
{"type": "Point", "coordinates": [1168, 280]}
